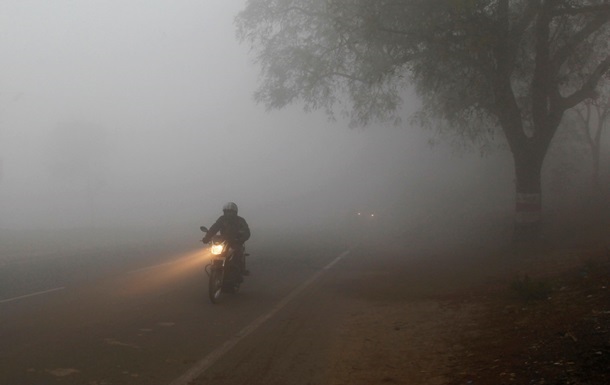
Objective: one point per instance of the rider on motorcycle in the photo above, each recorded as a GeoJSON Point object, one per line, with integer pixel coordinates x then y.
{"type": "Point", "coordinates": [235, 229]}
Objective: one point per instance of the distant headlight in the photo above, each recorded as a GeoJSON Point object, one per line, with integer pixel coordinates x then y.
{"type": "Point", "coordinates": [217, 249]}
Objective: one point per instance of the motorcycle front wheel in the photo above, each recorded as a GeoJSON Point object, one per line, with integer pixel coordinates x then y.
{"type": "Point", "coordinates": [215, 285]}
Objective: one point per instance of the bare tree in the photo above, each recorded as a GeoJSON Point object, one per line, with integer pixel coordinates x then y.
{"type": "Point", "coordinates": [594, 116]}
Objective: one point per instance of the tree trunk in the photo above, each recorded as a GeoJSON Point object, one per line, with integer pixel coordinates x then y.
{"type": "Point", "coordinates": [528, 207]}
{"type": "Point", "coordinates": [596, 150]}
{"type": "Point", "coordinates": [596, 179]}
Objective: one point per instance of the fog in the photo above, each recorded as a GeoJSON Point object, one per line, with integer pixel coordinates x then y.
{"type": "Point", "coordinates": [140, 115]}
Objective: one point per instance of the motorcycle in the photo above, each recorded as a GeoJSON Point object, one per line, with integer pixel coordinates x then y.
{"type": "Point", "coordinates": [224, 274]}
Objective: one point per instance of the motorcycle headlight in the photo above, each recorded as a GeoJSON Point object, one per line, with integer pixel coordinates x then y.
{"type": "Point", "coordinates": [217, 249]}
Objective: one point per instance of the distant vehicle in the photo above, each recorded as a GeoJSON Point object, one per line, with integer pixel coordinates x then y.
{"type": "Point", "coordinates": [225, 276]}
{"type": "Point", "coordinates": [364, 216]}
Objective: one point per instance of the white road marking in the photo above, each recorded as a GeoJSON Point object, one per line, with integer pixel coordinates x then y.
{"type": "Point", "coordinates": [31, 295]}
{"type": "Point", "coordinates": [209, 360]}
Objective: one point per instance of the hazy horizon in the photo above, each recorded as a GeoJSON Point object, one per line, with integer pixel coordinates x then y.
{"type": "Point", "coordinates": [119, 114]}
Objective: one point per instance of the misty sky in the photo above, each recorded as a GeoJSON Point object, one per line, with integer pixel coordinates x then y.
{"type": "Point", "coordinates": [141, 112]}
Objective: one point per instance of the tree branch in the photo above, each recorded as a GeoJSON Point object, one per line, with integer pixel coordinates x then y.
{"type": "Point", "coordinates": [562, 54]}
{"type": "Point", "coordinates": [508, 109]}
{"type": "Point", "coordinates": [588, 89]}
{"type": "Point", "coordinates": [346, 76]}
{"type": "Point", "coordinates": [580, 10]}
{"type": "Point", "coordinates": [528, 17]}
{"type": "Point", "coordinates": [296, 9]}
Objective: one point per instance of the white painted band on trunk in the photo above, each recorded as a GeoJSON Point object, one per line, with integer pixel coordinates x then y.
{"type": "Point", "coordinates": [209, 360]}
{"type": "Point", "coordinates": [528, 216]}
{"type": "Point", "coordinates": [528, 208]}
{"type": "Point", "coordinates": [530, 199]}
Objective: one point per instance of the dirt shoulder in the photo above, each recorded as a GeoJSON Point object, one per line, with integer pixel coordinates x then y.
{"type": "Point", "coordinates": [523, 317]}
{"type": "Point", "coordinates": [394, 345]}
{"type": "Point", "coordinates": [548, 323]}
{"type": "Point", "coordinates": [439, 318]}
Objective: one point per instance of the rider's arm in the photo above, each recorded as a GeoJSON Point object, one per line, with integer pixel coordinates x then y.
{"type": "Point", "coordinates": [214, 229]}
{"type": "Point", "coordinates": [244, 231]}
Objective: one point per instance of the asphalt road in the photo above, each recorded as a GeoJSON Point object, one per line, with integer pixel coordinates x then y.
{"type": "Point", "coordinates": [141, 315]}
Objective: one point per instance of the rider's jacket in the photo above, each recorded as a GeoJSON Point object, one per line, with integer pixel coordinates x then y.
{"type": "Point", "coordinates": [233, 227]}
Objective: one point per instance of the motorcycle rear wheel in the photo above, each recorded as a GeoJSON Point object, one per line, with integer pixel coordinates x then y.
{"type": "Point", "coordinates": [215, 285]}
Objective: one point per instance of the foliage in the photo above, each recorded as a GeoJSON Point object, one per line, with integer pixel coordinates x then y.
{"type": "Point", "coordinates": [592, 119]}
{"type": "Point", "coordinates": [361, 54]}
{"type": "Point", "coordinates": [477, 65]}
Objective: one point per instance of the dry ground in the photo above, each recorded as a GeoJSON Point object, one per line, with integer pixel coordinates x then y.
{"type": "Point", "coordinates": [531, 316]}
{"type": "Point", "coordinates": [441, 315]}
{"type": "Point", "coordinates": [457, 316]}
{"type": "Point", "coordinates": [548, 324]}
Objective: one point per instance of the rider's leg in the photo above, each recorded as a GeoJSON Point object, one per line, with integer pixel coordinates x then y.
{"type": "Point", "coordinates": [242, 260]}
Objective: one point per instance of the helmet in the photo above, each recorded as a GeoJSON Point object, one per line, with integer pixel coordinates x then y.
{"type": "Point", "coordinates": [230, 207]}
